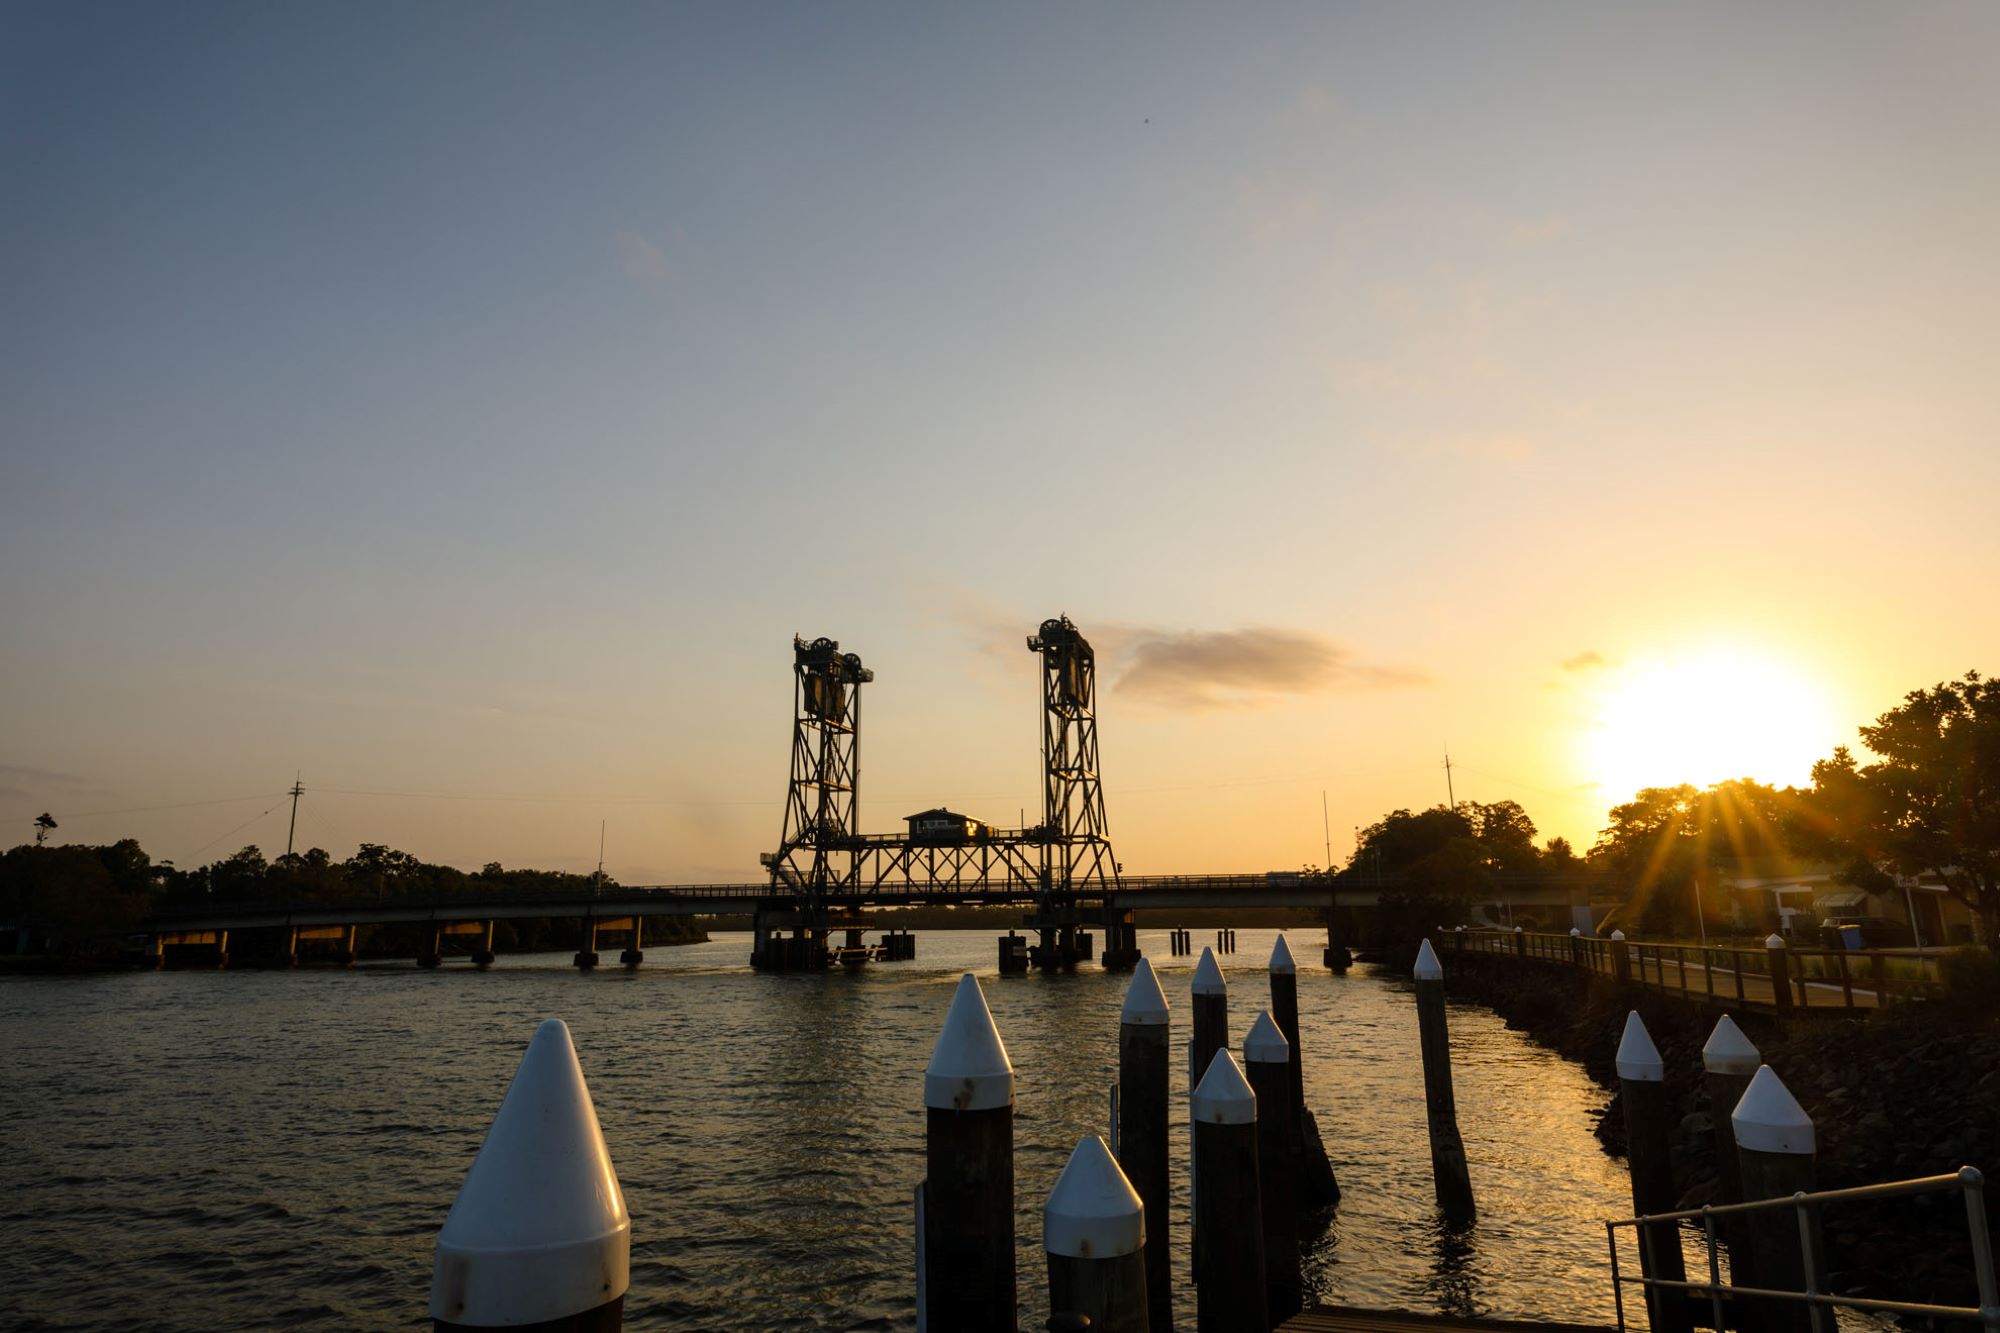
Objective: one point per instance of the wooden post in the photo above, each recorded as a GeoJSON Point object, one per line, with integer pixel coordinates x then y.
{"type": "Point", "coordinates": [1774, 1152]}
{"type": "Point", "coordinates": [1448, 1169]}
{"type": "Point", "coordinates": [1094, 1231]}
{"type": "Point", "coordinates": [1229, 1262]}
{"type": "Point", "coordinates": [1621, 958]}
{"type": "Point", "coordinates": [1575, 947]}
{"type": "Point", "coordinates": [1267, 1061]}
{"type": "Point", "coordinates": [1143, 1062]}
{"type": "Point", "coordinates": [1649, 1147]}
{"type": "Point", "coordinates": [1318, 1186]}
{"type": "Point", "coordinates": [1520, 941]}
{"type": "Point", "coordinates": [539, 1235]}
{"type": "Point", "coordinates": [1781, 973]}
{"type": "Point", "coordinates": [969, 1154]}
{"type": "Point", "coordinates": [1211, 1016]}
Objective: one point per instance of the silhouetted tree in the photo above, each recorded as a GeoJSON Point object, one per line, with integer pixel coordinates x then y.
{"type": "Point", "coordinates": [45, 824]}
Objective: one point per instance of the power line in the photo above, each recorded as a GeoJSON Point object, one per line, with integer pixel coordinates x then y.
{"type": "Point", "coordinates": [147, 809]}
{"type": "Point", "coordinates": [238, 829]}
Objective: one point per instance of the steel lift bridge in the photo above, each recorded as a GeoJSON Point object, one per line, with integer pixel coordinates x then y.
{"type": "Point", "coordinates": [826, 873]}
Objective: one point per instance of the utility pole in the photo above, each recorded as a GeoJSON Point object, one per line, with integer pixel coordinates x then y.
{"type": "Point", "coordinates": [1449, 793]}
{"type": "Point", "coordinates": [298, 790]}
{"type": "Point", "coordinates": [598, 882]}
{"type": "Point", "coordinates": [1326, 829]}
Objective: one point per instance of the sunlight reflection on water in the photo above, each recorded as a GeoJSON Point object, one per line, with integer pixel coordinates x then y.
{"type": "Point", "coordinates": [249, 1150]}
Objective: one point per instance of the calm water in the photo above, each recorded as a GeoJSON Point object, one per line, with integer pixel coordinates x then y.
{"type": "Point", "coordinates": [253, 1150]}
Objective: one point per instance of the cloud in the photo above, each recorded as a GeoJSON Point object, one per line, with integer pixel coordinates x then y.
{"type": "Point", "coordinates": [24, 783]}
{"type": "Point", "coordinates": [641, 259]}
{"type": "Point", "coordinates": [1588, 660]}
{"type": "Point", "coordinates": [1198, 669]}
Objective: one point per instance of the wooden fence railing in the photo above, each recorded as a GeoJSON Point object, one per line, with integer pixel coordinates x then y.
{"type": "Point", "coordinates": [1777, 977]}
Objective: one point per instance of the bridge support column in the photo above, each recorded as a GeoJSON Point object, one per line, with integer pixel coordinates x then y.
{"type": "Point", "coordinates": [586, 948]}
{"type": "Point", "coordinates": [482, 956]}
{"type": "Point", "coordinates": [1121, 940]}
{"type": "Point", "coordinates": [632, 955]}
{"type": "Point", "coordinates": [292, 947]}
{"type": "Point", "coordinates": [350, 946]}
{"type": "Point", "coordinates": [431, 952]}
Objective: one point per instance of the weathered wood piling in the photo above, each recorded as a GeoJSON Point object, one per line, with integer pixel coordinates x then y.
{"type": "Point", "coordinates": [1774, 1151]}
{"type": "Point", "coordinates": [1228, 1221]}
{"type": "Point", "coordinates": [1211, 1016]}
{"type": "Point", "coordinates": [1728, 1061]}
{"type": "Point", "coordinates": [1094, 1232]}
{"type": "Point", "coordinates": [968, 1232]}
{"type": "Point", "coordinates": [539, 1235]}
{"type": "Point", "coordinates": [1318, 1187]}
{"type": "Point", "coordinates": [1143, 1065]}
{"type": "Point", "coordinates": [1267, 1063]}
{"type": "Point", "coordinates": [1649, 1148]}
{"type": "Point", "coordinates": [1449, 1176]}
{"type": "Point", "coordinates": [1780, 963]}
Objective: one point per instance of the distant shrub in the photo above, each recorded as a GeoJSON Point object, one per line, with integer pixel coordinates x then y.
{"type": "Point", "coordinates": [1971, 978]}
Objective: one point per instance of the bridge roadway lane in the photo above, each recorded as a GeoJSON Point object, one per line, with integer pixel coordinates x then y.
{"type": "Point", "coordinates": [1155, 892]}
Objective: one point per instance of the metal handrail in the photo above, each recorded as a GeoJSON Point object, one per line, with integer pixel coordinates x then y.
{"type": "Point", "coordinates": [1967, 1180]}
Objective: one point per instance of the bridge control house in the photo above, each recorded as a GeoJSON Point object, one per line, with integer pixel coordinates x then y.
{"type": "Point", "coordinates": [943, 828]}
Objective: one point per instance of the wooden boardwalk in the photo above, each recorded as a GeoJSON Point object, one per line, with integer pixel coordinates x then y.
{"type": "Point", "coordinates": [1347, 1319]}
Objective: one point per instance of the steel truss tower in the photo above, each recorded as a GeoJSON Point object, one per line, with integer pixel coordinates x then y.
{"type": "Point", "coordinates": [1074, 837]}
{"type": "Point", "coordinates": [816, 858]}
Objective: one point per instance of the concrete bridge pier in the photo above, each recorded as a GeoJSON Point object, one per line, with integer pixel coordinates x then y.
{"type": "Point", "coordinates": [482, 954]}
{"type": "Point", "coordinates": [431, 952]}
{"type": "Point", "coordinates": [632, 954]}
{"type": "Point", "coordinates": [214, 942]}
{"type": "Point", "coordinates": [586, 946]}
{"type": "Point", "coordinates": [1121, 940]}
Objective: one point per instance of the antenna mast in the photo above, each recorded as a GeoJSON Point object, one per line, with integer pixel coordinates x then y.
{"type": "Point", "coordinates": [1450, 795]}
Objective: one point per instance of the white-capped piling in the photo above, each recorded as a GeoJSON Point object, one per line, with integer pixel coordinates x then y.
{"type": "Point", "coordinates": [1649, 1149]}
{"type": "Point", "coordinates": [1228, 1220]}
{"type": "Point", "coordinates": [968, 1238]}
{"type": "Point", "coordinates": [1448, 1170]}
{"type": "Point", "coordinates": [1266, 1064]}
{"type": "Point", "coordinates": [1318, 1186]}
{"type": "Point", "coordinates": [1729, 1061]}
{"type": "Point", "coordinates": [1211, 1016]}
{"type": "Point", "coordinates": [1094, 1230]}
{"type": "Point", "coordinates": [1143, 1065]}
{"type": "Point", "coordinates": [1774, 1151]}
{"type": "Point", "coordinates": [539, 1234]}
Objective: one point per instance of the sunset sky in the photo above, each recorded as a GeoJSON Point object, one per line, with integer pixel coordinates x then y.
{"type": "Point", "coordinates": [463, 405]}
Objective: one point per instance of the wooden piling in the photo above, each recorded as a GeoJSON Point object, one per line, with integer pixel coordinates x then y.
{"type": "Point", "coordinates": [969, 1155]}
{"type": "Point", "coordinates": [1728, 1061]}
{"type": "Point", "coordinates": [1094, 1232]}
{"type": "Point", "coordinates": [539, 1236]}
{"type": "Point", "coordinates": [1211, 1016]}
{"type": "Point", "coordinates": [1621, 958]}
{"type": "Point", "coordinates": [1228, 1211]}
{"type": "Point", "coordinates": [1649, 1148]}
{"type": "Point", "coordinates": [1267, 1063]}
{"type": "Point", "coordinates": [1774, 1151]}
{"type": "Point", "coordinates": [1318, 1187]}
{"type": "Point", "coordinates": [1143, 1063]}
{"type": "Point", "coordinates": [1449, 1176]}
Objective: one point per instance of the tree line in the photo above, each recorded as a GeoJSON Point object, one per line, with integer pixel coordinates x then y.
{"type": "Point", "coordinates": [1927, 804]}
{"type": "Point", "coordinates": [84, 900]}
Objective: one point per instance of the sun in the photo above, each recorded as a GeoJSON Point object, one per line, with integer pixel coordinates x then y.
{"type": "Point", "coordinates": [1717, 714]}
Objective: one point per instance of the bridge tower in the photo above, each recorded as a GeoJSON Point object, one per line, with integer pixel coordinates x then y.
{"type": "Point", "coordinates": [816, 858]}
{"type": "Point", "coordinates": [1076, 856]}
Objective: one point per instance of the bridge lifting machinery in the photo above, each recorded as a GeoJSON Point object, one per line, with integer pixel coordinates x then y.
{"type": "Point", "coordinates": [826, 871]}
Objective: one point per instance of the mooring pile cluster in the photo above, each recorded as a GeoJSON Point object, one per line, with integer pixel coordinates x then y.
{"type": "Point", "coordinates": [1257, 1163]}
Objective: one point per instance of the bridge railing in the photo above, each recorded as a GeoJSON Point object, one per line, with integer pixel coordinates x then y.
{"type": "Point", "coordinates": [1810, 979]}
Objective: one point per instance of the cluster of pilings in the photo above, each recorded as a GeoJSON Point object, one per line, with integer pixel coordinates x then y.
{"type": "Point", "coordinates": [803, 940]}
{"type": "Point", "coordinates": [1257, 1162]}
